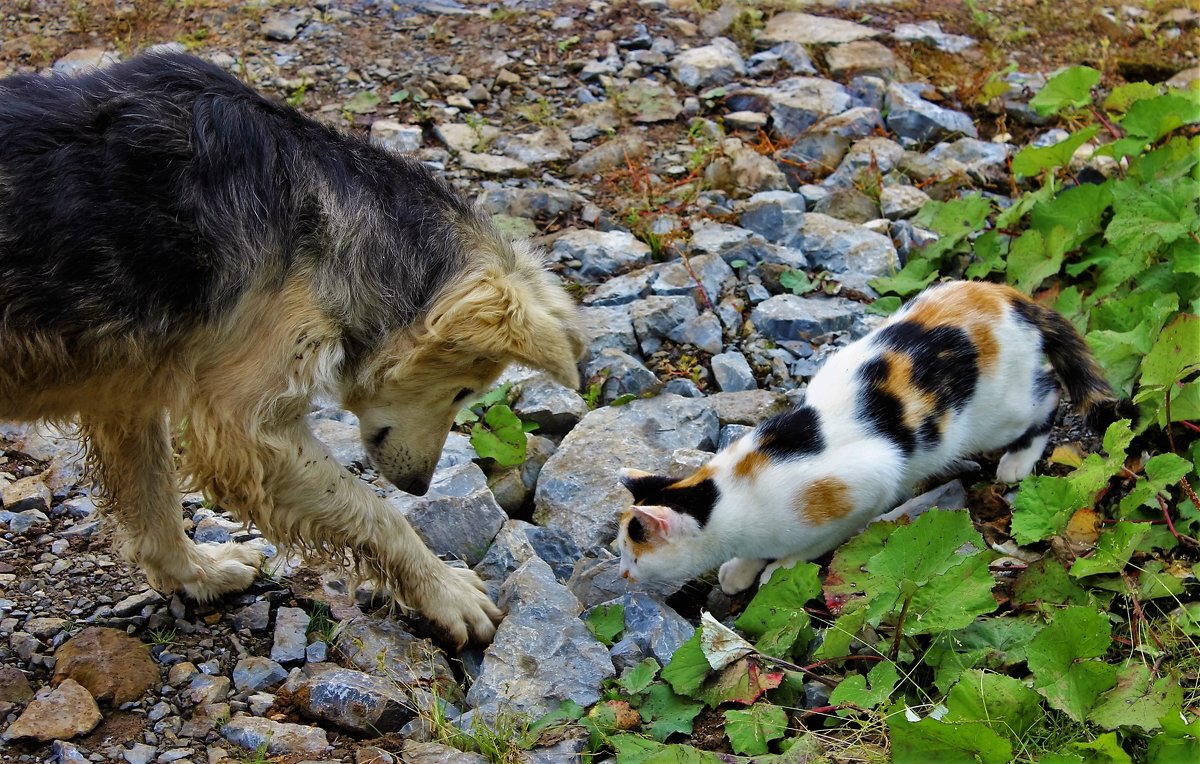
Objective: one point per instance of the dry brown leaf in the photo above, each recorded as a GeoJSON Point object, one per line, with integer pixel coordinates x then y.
{"type": "Point", "coordinates": [1083, 529]}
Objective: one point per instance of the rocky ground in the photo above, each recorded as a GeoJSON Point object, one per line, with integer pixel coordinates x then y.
{"type": "Point", "coordinates": [679, 161]}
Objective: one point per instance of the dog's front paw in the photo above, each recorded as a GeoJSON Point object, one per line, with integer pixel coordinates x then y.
{"type": "Point", "coordinates": [739, 574]}
{"type": "Point", "coordinates": [459, 605]}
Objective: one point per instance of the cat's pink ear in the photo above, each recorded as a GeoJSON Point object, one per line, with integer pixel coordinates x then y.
{"type": "Point", "coordinates": [658, 521]}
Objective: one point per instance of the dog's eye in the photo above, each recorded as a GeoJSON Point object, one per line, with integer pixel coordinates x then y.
{"type": "Point", "coordinates": [462, 394]}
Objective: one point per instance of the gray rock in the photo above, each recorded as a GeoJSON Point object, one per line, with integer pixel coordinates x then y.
{"type": "Point", "coordinates": [415, 752]}
{"type": "Point", "coordinates": [491, 164]}
{"type": "Point", "coordinates": [513, 486]}
{"type": "Point", "coordinates": [840, 247]}
{"type": "Point", "coordinates": [23, 522]}
{"type": "Point", "coordinates": [728, 241]}
{"type": "Point", "coordinates": [649, 101]}
{"type": "Point", "coordinates": [950, 495]}
{"type": "Point", "coordinates": [703, 332]}
{"type": "Point", "coordinates": [342, 439]}
{"type": "Point", "coordinates": [982, 159]}
{"type": "Point", "coordinates": [601, 253]}
{"type": "Point", "coordinates": [279, 738]}
{"type": "Point", "coordinates": [732, 372]}
{"type": "Point", "coordinates": [868, 91]}
{"type": "Point", "coordinates": [135, 603]}
{"type": "Point", "coordinates": [598, 579]}
{"type": "Point", "coordinates": [253, 617]}
{"type": "Point", "coordinates": [205, 690]}
{"type": "Point", "coordinates": [83, 59]}
{"type": "Point", "coordinates": [518, 541]}
{"type": "Point", "coordinates": [609, 155]}
{"type": "Point", "coordinates": [75, 508]}
{"type": "Point", "coordinates": [396, 137]}
{"type": "Point", "coordinates": [656, 316]}
{"type": "Point", "coordinates": [621, 374]}
{"type": "Point", "coordinates": [848, 204]}
{"type": "Point", "coordinates": [60, 713]}
{"type": "Point", "coordinates": [554, 408]}
{"type": "Point", "coordinates": [26, 494]}
{"type": "Point", "coordinates": [550, 144]}
{"type": "Point", "coordinates": [683, 387]}
{"type": "Point", "coordinates": [748, 407]}
{"type": "Point", "coordinates": [789, 317]}
{"type": "Point", "coordinates": [459, 515]}
{"type": "Point", "coordinates": [284, 26]}
{"type": "Point", "coordinates": [679, 277]}
{"type": "Point", "coordinates": [571, 748]}
{"type": "Point", "coordinates": [65, 753]}
{"type": "Point", "coordinates": [796, 56]}
{"type": "Point", "coordinates": [899, 202]}
{"type": "Point", "coordinates": [316, 652]}
{"type": "Point", "coordinates": [458, 450]}
{"type": "Point", "coordinates": [578, 490]}
{"type": "Point", "coordinates": [920, 121]}
{"type": "Point", "coordinates": [542, 654]}
{"type": "Point", "coordinates": [256, 673]}
{"type": "Point", "coordinates": [290, 639]}
{"type": "Point", "coordinates": [354, 700]}
{"type": "Point", "coordinates": [656, 628]}
{"type": "Point", "coordinates": [607, 327]}
{"type": "Point", "coordinates": [730, 434]}
{"type": "Point", "coordinates": [385, 649]}
{"type": "Point", "coordinates": [861, 57]}
{"type": "Point", "coordinates": [462, 138]}
{"type": "Point", "coordinates": [622, 290]}
{"type": "Point", "coordinates": [708, 66]}
{"type": "Point", "coordinates": [931, 32]}
{"type": "Point", "coordinates": [811, 30]}
{"type": "Point", "coordinates": [753, 172]}
{"type": "Point", "coordinates": [772, 214]}
{"type": "Point", "coordinates": [532, 203]}
{"type": "Point", "coordinates": [800, 102]}
{"type": "Point", "coordinates": [865, 162]}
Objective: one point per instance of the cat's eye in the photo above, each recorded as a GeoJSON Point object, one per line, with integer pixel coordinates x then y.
{"type": "Point", "coordinates": [462, 394]}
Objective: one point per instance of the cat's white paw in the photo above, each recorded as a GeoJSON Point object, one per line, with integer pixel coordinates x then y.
{"type": "Point", "coordinates": [1015, 467]}
{"type": "Point", "coordinates": [739, 574]}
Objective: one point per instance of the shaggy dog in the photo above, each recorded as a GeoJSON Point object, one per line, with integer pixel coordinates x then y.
{"type": "Point", "coordinates": [182, 257]}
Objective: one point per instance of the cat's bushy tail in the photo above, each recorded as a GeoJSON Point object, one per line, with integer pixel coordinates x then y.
{"type": "Point", "coordinates": [1077, 369]}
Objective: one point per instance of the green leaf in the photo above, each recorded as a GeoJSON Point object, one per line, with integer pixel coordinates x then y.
{"type": "Point", "coordinates": [988, 643]}
{"type": "Point", "coordinates": [1069, 88]}
{"type": "Point", "coordinates": [1043, 507]}
{"type": "Point", "coordinates": [1031, 160]}
{"type": "Point", "coordinates": [363, 102]}
{"type": "Point", "coordinates": [797, 282]}
{"type": "Point", "coordinates": [841, 634]}
{"type": "Point", "coordinates": [1078, 211]}
{"type": "Point", "coordinates": [847, 571]}
{"type": "Point", "coordinates": [1105, 749]}
{"type": "Point", "coordinates": [1162, 472]}
{"type": "Point", "coordinates": [1046, 581]}
{"type": "Point", "coordinates": [1124, 96]}
{"type": "Point", "coordinates": [1148, 217]}
{"type": "Point", "coordinates": [1113, 551]}
{"type": "Point", "coordinates": [1154, 582]}
{"type": "Point", "coordinates": [400, 96]}
{"type": "Point", "coordinates": [500, 436]}
{"type": "Point", "coordinates": [605, 622]}
{"type": "Point", "coordinates": [1136, 702]}
{"type": "Point", "coordinates": [567, 711]}
{"type": "Point", "coordinates": [688, 667]}
{"type": "Point", "coordinates": [989, 251]}
{"type": "Point", "coordinates": [681, 754]}
{"type": "Point", "coordinates": [1068, 683]}
{"type": "Point", "coordinates": [930, 740]}
{"type": "Point", "coordinates": [750, 731]}
{"type": "Point", "coordinates": [1005, 704]}
{"type": "Point", "coordinates": [1033, 258]}
{"type": "Point", "coordinates": [884, 306]}
{"type": "Point", "coordinates": [1174, 354]}
{"type": "Point", "coordinates": [668, 713]}
{"type": "Point", "coordinates": [634, 749]}
{"type": "Point", "coordinates": [953, 221]}
{"type": "Point", "coordinates": [742, 682]}
{"type": "Point", "coordinates": [916, 274]}
{"type": "Point", "coordinates": [1152, 118]}
{"type": "Point", "coordinates": [775, 618]}
{"type": "Point", "coordinates": [639, 677]}
{"type": "Point", "coordinates": [867, 692]}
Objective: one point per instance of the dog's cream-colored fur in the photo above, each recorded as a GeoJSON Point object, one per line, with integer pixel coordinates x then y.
{"type": "Point", "coordinates": [235, 396]}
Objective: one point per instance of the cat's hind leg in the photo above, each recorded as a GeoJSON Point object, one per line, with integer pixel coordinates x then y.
{"type": "Point", "coordinates": [739, 574]}
{"type": "Point", "coordinates": [1021, 456]}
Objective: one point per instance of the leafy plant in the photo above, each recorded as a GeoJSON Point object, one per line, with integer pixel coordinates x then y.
{"type": "Point", "coordinates": [496, 431]}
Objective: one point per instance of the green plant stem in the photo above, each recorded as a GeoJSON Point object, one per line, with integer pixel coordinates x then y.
{"type": "Point", "coordinates": [895, 650]}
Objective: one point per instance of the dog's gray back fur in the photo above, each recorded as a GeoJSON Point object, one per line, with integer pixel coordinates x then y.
{"type": "Point", "coordinates": [176, 189]}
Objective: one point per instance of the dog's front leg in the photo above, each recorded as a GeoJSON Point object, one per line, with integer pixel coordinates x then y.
{"type": "Point", "coordinates": [318, 505]}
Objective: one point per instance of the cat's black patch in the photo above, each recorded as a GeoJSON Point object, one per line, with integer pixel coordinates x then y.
{"type": "Point", "coordinates": [930, 433]}
{"type": "Point", "coordinates": [645, 486]}
{"type": "Point", "coordinates": [696, 500]}
{"type": "Point", "coordinates": [792, 434]}
{"type": "Point", "coordinates": [636, 530]}
{"type": "Point", "coordinates": [882, 410]}
{"type": "Point", "coordinates": [945, 363]}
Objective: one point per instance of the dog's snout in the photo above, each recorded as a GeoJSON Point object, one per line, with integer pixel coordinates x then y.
{"type": "Point", "coordinates": [416, 486]}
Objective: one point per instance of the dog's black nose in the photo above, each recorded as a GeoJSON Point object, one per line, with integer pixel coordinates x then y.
{"type": "Point", "coordinates": [416, 486]}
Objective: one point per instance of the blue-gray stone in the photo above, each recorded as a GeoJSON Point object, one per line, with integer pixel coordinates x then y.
{"type": "Point", "coordinates": [622, 374]}
{"type": "Point", "coordinates": [655, 317]}
{"type": "Point", "coordinates": [355, 701]}
{"type": "Point", "coordinates": [840, 247]}
{"type": "Point", "coordinates": [790, 317]}
{"type": "Point", "coordinates": [683, 387]}
{"type": "Point", "coordinates": [708, 66]}
{"type": "Point", "coordinates": [657, 629]}
{"type": "Point", "coordinates": [601, 253]}
{"type": "Point", "coordinates": [607, 327]}
{"type": "Point", "coordinates": [578, 490]}
{"type": "Point", "coordinates": [679, 278]}
{"type": "Point", "coordinates": [865, 160]}
{"type": "Point", "coordinates": [728, 241]}
{"type": "Point", "coordinates": [732, 372]}
{"type": "Point", "coordinates": [772, 214]}
{"type": "Point", "coordinates": [622, 290]}
{"type": "Point", "coordinates": [731, 433]}
{"type": "Point", "coordinates": [798, 103]}
{"type": "Point", "coordinates": [920, 121]}
{"type": "Point", "coordinates": [703, 332]}
{"type": "Point", "coordinates": [384, 648]}
{"type": "Point", "coordinates": [978, 157]}
{"type": "Point", "coordinates": [553, 407]}
{"type": "Point", "coordinates": [255, 617]}
{"type": "Point", "coordinates": [290, 638]}
{"type": "Point", "coordinates": [459, 515]}
{"type": "Point", "coordinates": [256, 673]}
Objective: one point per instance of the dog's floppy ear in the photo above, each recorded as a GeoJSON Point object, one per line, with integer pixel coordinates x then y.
{"type": "Point", "coordinates": [517, 313]}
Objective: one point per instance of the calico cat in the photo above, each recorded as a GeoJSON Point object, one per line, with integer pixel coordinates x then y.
{"type": "Point", "coordinates": [956, 372]}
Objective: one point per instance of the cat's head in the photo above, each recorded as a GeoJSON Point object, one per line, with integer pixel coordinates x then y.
{"type": "Point", "coordinates": [656, 535]}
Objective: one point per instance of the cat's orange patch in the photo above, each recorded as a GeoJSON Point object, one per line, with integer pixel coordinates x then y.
{"type": "Point", "coordinates": [917, 403]}
{"type": "Point", "coordinates": [974, 307]}
{"type": "Point", "coordinates": [750, 465]}
{"type": "Point", "coordinates": [696, 478]}
{"type": "Point", "coordinates": [823, 500]}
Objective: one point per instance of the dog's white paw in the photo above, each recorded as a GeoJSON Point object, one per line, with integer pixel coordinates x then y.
{"type": "Point", "coordinates": [223, 569]}
{"type": "Point", "coordinates": [458, 603]}
{"type": "Point", "coordinates": [739, 574]}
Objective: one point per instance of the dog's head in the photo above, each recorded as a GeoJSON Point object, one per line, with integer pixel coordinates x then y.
{"type": "Point", "coordinates": [506, 308]}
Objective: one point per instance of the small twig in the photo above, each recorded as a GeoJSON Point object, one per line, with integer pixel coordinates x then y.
{"type": "Point", "coordinates": [1167, 411]}
{"type": "Point", "coordinates": [827, 710]}
{"type": "Point", "coordinates": [1195, 237]}
{"type": "Point", "coordinates": [1138, 615]}
{"type": "Point", "coordinates": [1190, 426]}
{"type": "Point", "coordinates": [1115, 130]}
{"type": "Point", "coordinates": [844, 658]}
{"type": "Point", "coordinates": [688, 264]}
{"type": "Point", "coordinates": [1187, 488]}
{"type": "Point", "coordinates": [899, 629]}
{"type": "Point", "coordinates": [781, 663]}
{"type": "Point", "coordinates": [1171, 526]}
